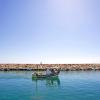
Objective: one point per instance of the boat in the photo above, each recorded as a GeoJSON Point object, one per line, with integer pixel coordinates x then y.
{"type": "Point", "coordinates": [39, 74]}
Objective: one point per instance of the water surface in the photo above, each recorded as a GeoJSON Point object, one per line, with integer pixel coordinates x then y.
{"type": "Point", "coordinates": [72, 85]}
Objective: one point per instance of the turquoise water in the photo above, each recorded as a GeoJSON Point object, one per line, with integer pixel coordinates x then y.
{"type": "Point", "coordinates": [75, 85]}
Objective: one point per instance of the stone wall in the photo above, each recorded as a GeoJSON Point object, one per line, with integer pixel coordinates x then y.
{"type": "Point", "coordinates": [64, 67]}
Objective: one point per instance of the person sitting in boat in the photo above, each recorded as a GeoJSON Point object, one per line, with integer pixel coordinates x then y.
{"type": "Point", "coordinates": [53, 71]}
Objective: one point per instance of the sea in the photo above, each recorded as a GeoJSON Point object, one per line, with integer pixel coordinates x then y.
{"type": "Point", "coordinates": [69, 85]}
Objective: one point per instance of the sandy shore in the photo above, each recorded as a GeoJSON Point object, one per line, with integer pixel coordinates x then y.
{"type": "Point", "coordinates": [65, 67]}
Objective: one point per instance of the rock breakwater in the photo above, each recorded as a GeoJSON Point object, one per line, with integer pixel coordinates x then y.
{"type": "Point", "coordinates": [64, 67]}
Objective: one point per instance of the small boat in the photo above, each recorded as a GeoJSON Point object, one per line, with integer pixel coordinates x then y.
{"type": "Point", "coordinates": [53, 74]}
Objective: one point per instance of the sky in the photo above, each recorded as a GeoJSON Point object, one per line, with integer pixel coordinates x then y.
{"type": "Point", "coordinates": [51, 31]}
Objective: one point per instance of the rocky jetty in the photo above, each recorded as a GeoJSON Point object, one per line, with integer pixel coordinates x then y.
{"type": "Point", "coordinates": [64, 67]}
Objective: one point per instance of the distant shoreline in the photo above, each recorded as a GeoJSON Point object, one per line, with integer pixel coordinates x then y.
{"type": "Point", "coordinates": [63, 67]}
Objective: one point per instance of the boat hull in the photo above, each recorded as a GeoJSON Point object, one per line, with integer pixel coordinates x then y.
{"type": "Point", "coordinates": [43, 76]}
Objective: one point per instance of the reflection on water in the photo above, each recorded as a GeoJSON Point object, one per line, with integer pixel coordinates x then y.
{"type": "Point", "coordinates": [47, 84]}
{"type": "Point", "coordinates": [48, 81]}
{"type": "Point", "coordinates": [53, 82]}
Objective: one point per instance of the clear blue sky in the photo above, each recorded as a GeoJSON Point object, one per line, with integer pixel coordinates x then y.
{"type": "Point", "coordinates": [51, 31]}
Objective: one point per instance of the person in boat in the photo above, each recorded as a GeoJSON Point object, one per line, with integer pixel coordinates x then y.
{"type": "Point", "coordinates": [50, 72]}
{"type": "Point", "coordinates": [53, 71]}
